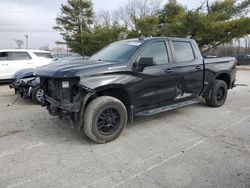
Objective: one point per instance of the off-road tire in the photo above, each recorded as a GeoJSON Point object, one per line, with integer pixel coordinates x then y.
{"type": "Point", "coordinates": [94, 111]}
{"type": "Point", "coordinates": [215, 99]}
{"type": "Point", "coordinates": [34, 95]}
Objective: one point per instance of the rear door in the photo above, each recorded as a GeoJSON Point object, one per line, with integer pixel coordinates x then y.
{"type": "Point", "coordinates": [5, 72]}
{"type": "Point", "coordinates": [189, 67]}
{"type": "Point", "coordinates": [19, 61]}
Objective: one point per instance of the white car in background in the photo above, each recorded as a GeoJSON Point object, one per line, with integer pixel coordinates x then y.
{"type": "Point", "coordinates": [12, 61]}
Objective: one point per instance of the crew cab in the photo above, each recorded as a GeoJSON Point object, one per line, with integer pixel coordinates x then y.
{"type": "Point", "coordinates": [13, 60]}
{"type": "Point", "coordinates": [136, 77]}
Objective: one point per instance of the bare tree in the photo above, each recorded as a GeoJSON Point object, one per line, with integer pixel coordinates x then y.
{"type": "Point", "coordinates": [45, 47]}
{"type": "Point", "coordinates": [123, 16]}
{"type": "Point", "coordinates": [247, 43]}
{"type": "Point", "coordinates": [238, 47]}
{"type": "Point", "coordinates": [104, 18]}
{"type": "Point", "coordinates": [248, 48]}
{"type": "Point", "coordinates": [143, 8]}
{"type": "Point", "coordinates": [19, 43]}
{"type": "Point", "coordinates": [136, 9]}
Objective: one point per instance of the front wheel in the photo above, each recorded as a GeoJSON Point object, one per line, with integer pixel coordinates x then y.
{"type": "Point", "coordinates": [104, 119]}
{"type": "Point", "coordinates": [37, 95]}
{"type": "Point", "coordinates": [218, 95]}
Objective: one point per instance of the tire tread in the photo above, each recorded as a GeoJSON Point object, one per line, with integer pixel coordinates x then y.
{"type": "Point", "coordinates": [90, 112]}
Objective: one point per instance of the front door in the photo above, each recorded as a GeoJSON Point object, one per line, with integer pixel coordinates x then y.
{"type": "Point", "coordinates": [158, 82]}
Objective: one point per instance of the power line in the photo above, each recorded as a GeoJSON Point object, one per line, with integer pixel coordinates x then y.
{"type": "Point", "coordinates": [25, 30]}
{"type": "Point", "coordinates": [15, 24]}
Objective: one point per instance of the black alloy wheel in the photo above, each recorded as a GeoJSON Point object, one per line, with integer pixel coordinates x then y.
{"type": "Point", "coordinates": [218, 94]}
{"type": "Point", "coordinates": [104, 119]}
{"type": "Point", "coordinates": [108, 121]}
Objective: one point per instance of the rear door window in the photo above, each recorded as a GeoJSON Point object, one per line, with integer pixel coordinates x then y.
{"type": "Point", "coordinates": [183, 51]}
{"type": "Point", "coordinates": [15, 56]}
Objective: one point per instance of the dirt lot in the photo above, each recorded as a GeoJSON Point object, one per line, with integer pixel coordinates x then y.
{"type": "Point", "coordinates": [195, 146]}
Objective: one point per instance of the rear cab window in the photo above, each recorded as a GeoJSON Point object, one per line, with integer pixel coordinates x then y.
{"type": "Point", "coordinates": [183, 51]}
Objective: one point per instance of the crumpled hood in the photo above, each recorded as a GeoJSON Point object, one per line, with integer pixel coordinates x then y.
{"type": "Point", "coordinates": [72, 68]}
{"type": "Point", "coordinates": [23, 74]}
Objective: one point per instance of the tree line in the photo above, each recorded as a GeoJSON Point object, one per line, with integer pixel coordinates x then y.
{"type": "Point", "coordinates": [210, 24]}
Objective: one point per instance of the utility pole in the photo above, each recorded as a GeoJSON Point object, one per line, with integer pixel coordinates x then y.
{"type": "Point", "coordinates": [80, 17]}
{"type": "Point", "coordinates": [67, 43]}
{"type": "Point", "coordinates": [27, 41]}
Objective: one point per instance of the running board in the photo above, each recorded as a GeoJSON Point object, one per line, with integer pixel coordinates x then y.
{"type": "Point", "coordinates": [167, 108]}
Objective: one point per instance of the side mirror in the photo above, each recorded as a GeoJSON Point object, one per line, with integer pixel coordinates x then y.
{"type": "Point", "coordinates": [146, 62]}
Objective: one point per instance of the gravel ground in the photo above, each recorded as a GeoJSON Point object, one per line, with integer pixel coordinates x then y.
{"type": "Point", "coordinates": [195, 146]}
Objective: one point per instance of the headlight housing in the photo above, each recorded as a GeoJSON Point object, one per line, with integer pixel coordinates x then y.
{"type": "Point", "coordinates": [26, 80]}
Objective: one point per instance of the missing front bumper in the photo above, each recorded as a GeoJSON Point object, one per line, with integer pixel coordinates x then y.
{"type": "Point", "coordinates": [64, 105]}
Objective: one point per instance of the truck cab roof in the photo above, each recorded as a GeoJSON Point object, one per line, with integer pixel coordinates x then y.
{"type": "Point", "coordinates": [157, 38]}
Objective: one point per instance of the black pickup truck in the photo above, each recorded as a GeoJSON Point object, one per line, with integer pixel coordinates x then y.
{"type": "Point", "coordinates": [136, 77]}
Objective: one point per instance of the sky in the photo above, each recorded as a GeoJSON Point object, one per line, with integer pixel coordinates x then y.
{"type": "Point", "coordinates": [36, 19]}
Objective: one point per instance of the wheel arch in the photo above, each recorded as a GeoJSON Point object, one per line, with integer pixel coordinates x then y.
{"type": "Point", "coordinates": [224, 77]}
{"type": "Point", "coordinates": [117, 91]}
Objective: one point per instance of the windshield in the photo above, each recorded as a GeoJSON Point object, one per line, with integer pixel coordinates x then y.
{"type": "Point", "coordinates": [116, 52]}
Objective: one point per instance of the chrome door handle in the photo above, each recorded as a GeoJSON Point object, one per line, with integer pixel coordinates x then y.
{"type": "Point", "coordinates": [197, 67]}
{"type": "Point", "coordinates": [169, 71]}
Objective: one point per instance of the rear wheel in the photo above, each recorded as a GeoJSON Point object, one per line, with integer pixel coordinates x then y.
{"type": "Point", "coordinates": [37, 95]}
{"type": "Point", "coordinates": [218, 95]}
{"type": "Point", "coordinates": [104, 119]}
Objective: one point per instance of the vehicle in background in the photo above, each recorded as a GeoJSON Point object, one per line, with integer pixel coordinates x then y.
{"type": "Point", "coordinates": [69, 54]}
{"type": "Point", "coordinates": [243, 59]}
{"type": "Point", "coordinates": [13, 60]}
{"type": "Point", "coordinates": [27, 85]}
{"type": "Point", "coordinates": [134, 78]}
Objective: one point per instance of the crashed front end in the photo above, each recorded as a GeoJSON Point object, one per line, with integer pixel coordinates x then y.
{"type": "Point", "coordinates": [64, 97]}
{"type": "Point", "coordinates": [24, 86]}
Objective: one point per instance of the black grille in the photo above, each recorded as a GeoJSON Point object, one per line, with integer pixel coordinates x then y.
{"type": "Point", "coordinates": [53, 87]}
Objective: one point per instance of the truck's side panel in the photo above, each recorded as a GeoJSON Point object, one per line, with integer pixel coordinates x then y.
{"type": "Point", "coordinates": [218, 68]}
